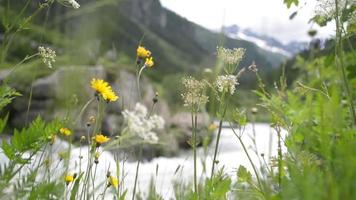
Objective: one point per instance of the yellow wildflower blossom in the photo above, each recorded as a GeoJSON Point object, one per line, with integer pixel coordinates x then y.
{"type": "Point", "coordinates": [100, 139]}
{"type": "Point", "coordinates": [212, 127]}
{"type": "Point", "coordinates": [110, 95]}
{"type": "Point", "coordinates": [53, 138]}
{"type": "Point", "coordinates": [92, 119]}
{"type": "Point", "coordinates": [68, 179]}
{"type": "Point", "coordinates": [104, 89]}
{"type": "Point", "coordinates": [149, 62]}
{"type": "Point", "coordinates": [99, 85]}
{"type": "Point", "coordinates": [142, 52]}
{"type": "Point", "coordinates": [113, 181]}
{"type": "Point", "coordinates": [65, 131]}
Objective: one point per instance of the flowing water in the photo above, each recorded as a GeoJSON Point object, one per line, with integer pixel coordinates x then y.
{"type": "Point", "coordinates": [163, 170]}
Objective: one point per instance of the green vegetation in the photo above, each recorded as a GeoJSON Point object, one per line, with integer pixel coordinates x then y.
{"type": "Point", "coordinates": [316, 106]}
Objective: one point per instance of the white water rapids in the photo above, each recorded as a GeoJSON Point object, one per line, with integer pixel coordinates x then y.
{"type": "Point", "coordinates": [230, 156]}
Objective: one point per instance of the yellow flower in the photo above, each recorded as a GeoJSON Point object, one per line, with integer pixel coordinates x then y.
{"type": "Point", "coordinates": [99, 85]}
{"type": "Point", "coordinates": [149, 62]}
{"type": "Point", "coordinates": [53, 138]}
{"type": "Point", "coordinates": [100, 139]}
{"type": "Point", "coordinates": [212, 127]}
{"type": "Point", "coordinates": [113, 181]}
{"type": "Point", "coordinates": [110, 95]}
{"type": "Point", "coordinates": [65, 131]}
{"type": "Point", "coordinates": [92, 119]}
{"type": "Point", "coordinates": [104, 89]}
{"type": "Point", "coordinates": [142, 52]}
{"type": "Point", "coordinates": [68, 178]}
{"type": "Point", "coordinates": [96, 157]}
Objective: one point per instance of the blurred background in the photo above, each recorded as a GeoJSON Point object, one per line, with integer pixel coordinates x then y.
{"type": "Point", "coordinates": [100, 39]}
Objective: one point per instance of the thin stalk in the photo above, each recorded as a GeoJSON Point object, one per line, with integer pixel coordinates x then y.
{"type": "Point", "coordinates": [136, 174]}
{"type": "Point", "coordinates": [249, 158]}
{"type": "Point", "coordinates": [106, 187]}
{"type": "Point", "coordinates": [82, 111]}
{"type": "Point", "coordinates": [194, 145]}
{"type": "Point", "coordinates": [218, 141]}
{"type": "Point", "coordinates": [90, 148]}
{"type": "Point", "coordinates": [138, 82]}
{"type": "Point", "coordinates": [216, 148]}
{"type": "Point", "coordinates": [20, 63]}
{"type": "Point", "coordinates": [339, 61]}
{"type": "Point", "coordinates": [8, 43]}
{"type": "Point", "coordinates": [279, 157]}
{"type": "Point", "coordinates": [93, 180]}
{"type": "Point", "coordinates": [88, 163]}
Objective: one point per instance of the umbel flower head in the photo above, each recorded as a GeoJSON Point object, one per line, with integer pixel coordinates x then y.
{"type": "Point", "coordinates": [104, 89]}
{"type": "Point", "coordinates": [226, 83]}
{"type": "Point", "coordinates": [142, 52]}
{"type": "Point", "coordinates": [193, 95]}
{"type": "Point", "coordinates": [230, 56]}
{"type": "Point", "coordinates": [65, 131]}
{"type": "Point", "coordinates": [71, 3]}
{"type": "Point", "coordinates": [48, 56]}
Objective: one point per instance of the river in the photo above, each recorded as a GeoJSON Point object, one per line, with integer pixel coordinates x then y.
{"type": "Point", "coordinates": [164, 171]}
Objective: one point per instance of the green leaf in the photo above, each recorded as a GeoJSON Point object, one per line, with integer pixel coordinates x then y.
{"type": "Point", "coordinates": [8, 151]}
{"type": "Point", "coordinates": [29, 139]}
{"type": "Point", "coordinates": [243, 175]}
{"type": "Point", "coordinates": [75, 187]}
{"type": "Point", "coordinates": [7, 94]}
{"type": "Point", "coordinates": [3, 123]}
{"type": "Point", "coordinates": [290, 2]}
{"type": "Point", "coordinates": [321, 20]}
{"type": "Point", "coordinates": [351, 28]}
{"type": "Point", "coordinates": [298, 137]}
{"type": "Point", "coordinates": [46, 191]}
{"type": "Point", "coordinates": [123, 196]}
{"type": "Point", "coordinates": [239, 117]}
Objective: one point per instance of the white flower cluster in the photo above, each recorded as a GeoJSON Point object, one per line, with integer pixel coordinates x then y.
{"type": "Point", "coordinates": [72, 3]}
{"type": "Point", "coordinates": [193, 95]}
{"type": "Point", "coordinates": [230, 56]}
{"type": "Point", "coordinates": [137, 123]}
{"type": "Point", "coordinates": [48, 55]}
{"type": "Point", "coordinates": [226, 83]}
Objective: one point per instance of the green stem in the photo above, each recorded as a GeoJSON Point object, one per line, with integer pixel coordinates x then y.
{"type": "Point", "coordinates": [136, 174]}
{"type": "Point", "coordinates": [218, 141]}
{"type": "Point", "coordinates": [93, 180]}
{"type": "Point", "coordinates": [7, 44]}
{"type": "Point", "coordinates": [106, 187]}
{"type": "Point", "coordinates": [339, 61]}
{"type": "Point", "coordinates": [194, 145]}
{"type": "Point", "coordinates": [249, 158]}
{"type": "Point", "coordinates": [279, 157]}
{"type": "Point", "coordinates": [216, 148]}
{"type": "Point", "coordinates": [20, 63]}
{"type": "Point", "coordinates": [138, 82]}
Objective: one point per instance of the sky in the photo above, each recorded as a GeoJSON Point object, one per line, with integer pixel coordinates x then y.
{"type": "Point", "coordinates": [268, 17]}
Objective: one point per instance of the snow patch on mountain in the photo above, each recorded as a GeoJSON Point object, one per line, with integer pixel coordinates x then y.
{"type": "Point", "coordinates": [265, 42]}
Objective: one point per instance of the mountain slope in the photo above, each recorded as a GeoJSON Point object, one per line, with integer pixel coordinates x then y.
{"type": "Point", "coordinates": [195, 43]}
{"type": "Point", "coordinates": [265, 42]}
{"type": "Point", "coordinates": [89, 33]}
